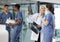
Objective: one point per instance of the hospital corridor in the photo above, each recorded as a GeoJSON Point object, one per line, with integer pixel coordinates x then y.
{"type": "Point", "coordinates": [29, 20]}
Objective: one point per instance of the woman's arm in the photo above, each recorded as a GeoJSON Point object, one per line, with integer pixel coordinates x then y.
{"type": "Point", "coordinates": [45, 21]}
{"type": "Point", "coordinates": [39, 26]}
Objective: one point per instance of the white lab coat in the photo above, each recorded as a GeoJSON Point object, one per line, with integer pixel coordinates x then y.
{"type": "Point", "coordinates": [34, 18]}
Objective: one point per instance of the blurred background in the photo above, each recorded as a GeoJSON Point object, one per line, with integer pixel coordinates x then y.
{"type": "Point", "coordinates": [34, 5]}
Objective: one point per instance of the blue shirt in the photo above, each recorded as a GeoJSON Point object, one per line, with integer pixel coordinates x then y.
{"type": "Point", "coordinates": [17, 17]}
{"type": "Point", "coordinates": [48, 28]}
{"type": "Point", "coordinates": [4, 17]}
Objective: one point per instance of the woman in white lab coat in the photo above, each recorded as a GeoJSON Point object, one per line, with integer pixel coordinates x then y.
{"type": "Point", "coordinates": [36, 18]}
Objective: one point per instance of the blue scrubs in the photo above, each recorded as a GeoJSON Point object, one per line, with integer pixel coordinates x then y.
{"type": "Point", "coordinates": [4, 17]}
{"type": "Point", "coordinates": [47, 31]}
{"type": "Point", "coordinates": [17, 28]}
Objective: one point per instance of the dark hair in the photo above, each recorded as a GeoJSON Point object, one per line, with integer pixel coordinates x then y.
{"type": "Point", "coordinates": [30, 9]}
{"type": "Point", "coordinates": [17, 6]}
{"type": "Point", "coordinates": [50, 7]}
{"type": "Point", "coordinates": [6, 5]}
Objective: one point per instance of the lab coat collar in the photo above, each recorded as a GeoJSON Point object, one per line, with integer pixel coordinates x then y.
{"type": "Point", "coordinates": [40, 15]}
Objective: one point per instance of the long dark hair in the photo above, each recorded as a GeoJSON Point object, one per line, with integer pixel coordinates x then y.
{"type": "Point", "coordinates": [50, 7]}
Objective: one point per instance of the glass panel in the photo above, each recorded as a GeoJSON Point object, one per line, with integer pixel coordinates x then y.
{"type": "Point", "coordinates": [34, 8]}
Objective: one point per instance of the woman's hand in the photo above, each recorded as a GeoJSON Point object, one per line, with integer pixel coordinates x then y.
{"type": "Point", "coordinates": [38, 26]}
{"type": "Point", "coordinates": [41, 18]}
{"type": "Point", "coordinates": [44, 21]}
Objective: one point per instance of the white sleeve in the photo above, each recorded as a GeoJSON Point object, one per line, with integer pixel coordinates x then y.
{"type": "Point", "coordinates": [29, 19]}
{"type": "Point", "coordinates": [34, 17]}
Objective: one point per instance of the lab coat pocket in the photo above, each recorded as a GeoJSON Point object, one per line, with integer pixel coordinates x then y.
{"type": "Point", "coordinates": [34, 36]}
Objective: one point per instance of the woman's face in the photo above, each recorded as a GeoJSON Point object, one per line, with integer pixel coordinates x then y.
{"type": "Point", "coordinates": [46, 9]}
{"type": "Point", "coordinates": [42, 10]}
